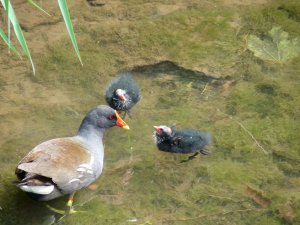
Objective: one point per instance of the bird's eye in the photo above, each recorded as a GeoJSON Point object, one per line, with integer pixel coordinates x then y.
{"type": "Point", "coordinates": [112, 117]}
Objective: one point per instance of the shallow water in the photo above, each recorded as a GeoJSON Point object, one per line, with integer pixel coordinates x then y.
{"type": "Point", "coordinates": [191, 63]}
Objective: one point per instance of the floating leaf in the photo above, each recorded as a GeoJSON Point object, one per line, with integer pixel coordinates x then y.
{"type": "Point", "coordinates": [276, 46]}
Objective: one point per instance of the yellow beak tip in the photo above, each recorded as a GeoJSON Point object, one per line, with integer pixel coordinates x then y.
{"type": "Point", "coordinates": [126, 127]}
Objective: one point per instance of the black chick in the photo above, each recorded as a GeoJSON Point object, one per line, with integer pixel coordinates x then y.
{"type": "Point", "coordinates": [183, 141]}
{"type": "Point", "coordinates": [122, 93]}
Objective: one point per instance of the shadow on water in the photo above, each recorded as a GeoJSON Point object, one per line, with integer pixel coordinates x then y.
{"type": "Point", "coordinates": [172, 68]}
{"type": "Point", "coordinates": [193, 78]}
{"type": "Point", "coordinates": [19, 208]}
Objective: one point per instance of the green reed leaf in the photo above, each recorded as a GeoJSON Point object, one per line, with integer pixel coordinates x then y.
{"type": "Point", "coordinates": [66, 15]}
{"type": "Point", "coordinates": [18, 31]}
{"type": "Point", "coordinates": [7, 41]}
{"type": "Point", "coordinates": [37, 6]}
{"type": "Point", "coordinates": [8, 24]}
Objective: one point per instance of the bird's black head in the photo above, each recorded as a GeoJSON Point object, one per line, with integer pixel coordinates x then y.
{"type": "Point", "coordinates": [121, 100]}
{"type": "Point", "coordinates": [163, 133]}
{"type": "Point", "coordinates": [122, 93]}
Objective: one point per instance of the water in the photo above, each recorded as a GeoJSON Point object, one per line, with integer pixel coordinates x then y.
{"type": "Point", "coordinates": [191, 62]}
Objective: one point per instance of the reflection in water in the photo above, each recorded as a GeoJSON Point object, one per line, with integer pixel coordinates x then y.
{"type": "Point", "coordinates": [49, 220]}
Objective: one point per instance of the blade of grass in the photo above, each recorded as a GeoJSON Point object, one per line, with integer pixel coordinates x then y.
{"type": "Point", "coordinates": [7, 41]}
{"type": "Point", "coordinates": [37, 6]}
{"type": "Point", "coordinates": [18, 31]}
{"type": "Point", "coordinates": [66, 15]}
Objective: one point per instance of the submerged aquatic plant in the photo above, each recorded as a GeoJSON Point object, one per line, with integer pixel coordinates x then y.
{"type": "Point", "coordinates": [276, 46]}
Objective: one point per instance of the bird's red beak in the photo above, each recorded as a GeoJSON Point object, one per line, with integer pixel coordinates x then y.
{"type": "Point", "coordinates": [121, 123]}
{"type": "Point", "coordinates": [122, 98]}
{"type": "Point", "coordinates": [157, 129]}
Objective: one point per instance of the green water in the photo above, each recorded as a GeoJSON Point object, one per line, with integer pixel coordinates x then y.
{"type": "Point", "coordinates": [191, 62]}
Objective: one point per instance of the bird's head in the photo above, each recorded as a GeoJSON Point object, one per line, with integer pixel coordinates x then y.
{"type": "Point", "coordinates": [121, 94]}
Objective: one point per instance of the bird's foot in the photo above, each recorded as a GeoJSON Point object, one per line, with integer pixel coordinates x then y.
{"type": "Point", "coordinates": [204, 152]}
{"type": "Point", "coordinates": [68, 211]}
{"type": "Point", "coordinates": [125, 113]}
{"type": "Point", "coordinates": [58, 211]}
{"type": "Point", "coordinates": [72, 210]}
{"type": "Point", "coordinates": [70, 205]}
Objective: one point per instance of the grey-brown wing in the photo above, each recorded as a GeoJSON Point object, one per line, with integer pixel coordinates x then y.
{"type": "Point", "coordinates": [58, 159]}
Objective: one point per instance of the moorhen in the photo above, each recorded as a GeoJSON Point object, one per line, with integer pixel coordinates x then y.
{"type": "Point", "coordinates": [169, 139]}
{"type": "Point", "coordinates": [62, 166]}
{"type": "Point", "coordinates": [123, 93]}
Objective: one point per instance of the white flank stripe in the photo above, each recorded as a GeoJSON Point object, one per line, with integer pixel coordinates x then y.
{"type": "Point", "coordinates": [81, 169]}
{"type": "Point", "coordinates": [87, 166]}
{"type": "Point", "coordinates": [74, 180]}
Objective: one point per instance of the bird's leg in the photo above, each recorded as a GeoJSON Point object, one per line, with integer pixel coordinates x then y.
{"type": "Point", "coordinates": [193, 156]}
{"type": "Point", "coordinates": [204, 152]}
{"type": "Point", "coordinates": [122, 114]}
{"type": "Point", "coordinates": [190, 157]}
{"type": "Point", "coordinates": [127, 112]}
{"type": "Point", "coordinates": [70, 203]}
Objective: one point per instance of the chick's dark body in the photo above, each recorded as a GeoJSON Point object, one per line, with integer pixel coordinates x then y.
{"type": "Point", "coordinates": [185, 141]}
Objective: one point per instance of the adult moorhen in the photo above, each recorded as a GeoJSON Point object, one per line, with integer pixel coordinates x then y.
{"type": "Point", "coordinates": [122, 93]}
{"type": "Point", "coordinates": [184, 141]}
{"type": "Point", "coordinates": [64, 165]}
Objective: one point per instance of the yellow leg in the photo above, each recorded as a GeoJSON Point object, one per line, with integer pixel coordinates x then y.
{"type": "Point", "coordinates": [65, 213]}
{"type": "Point", "coordinates": [70, 203]}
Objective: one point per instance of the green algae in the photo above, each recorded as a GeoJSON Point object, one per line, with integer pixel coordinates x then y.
{"type": "Point", "coordinates": [145, 185]}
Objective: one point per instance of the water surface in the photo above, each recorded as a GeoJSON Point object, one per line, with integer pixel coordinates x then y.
{"type": "Point", "coordinates": [191, 62]}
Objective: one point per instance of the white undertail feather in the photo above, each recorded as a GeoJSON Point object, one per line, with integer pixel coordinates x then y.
{"type": "Point", "coordinates": [41, 190]}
